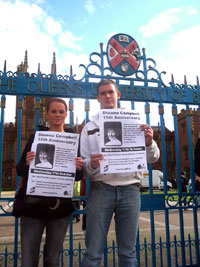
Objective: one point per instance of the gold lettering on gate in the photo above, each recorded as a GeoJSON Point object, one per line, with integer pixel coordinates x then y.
{"type": "Point", "coordinates": [33, 87]}
{"type": "Point", "coordinates": [160, 94]}
{"type": "Point", "coordinates": [13, 85]}
{"type": "Point", "coordinates": [175, 95]}
{"type": "Point", "coordinates": [92, 90]}
{"type": "Point", "coordinates": [195, 97]}
{"type": "Point", "coordinates": [80, 90]}
{"type": "Point", "coordinates": [6, 85]}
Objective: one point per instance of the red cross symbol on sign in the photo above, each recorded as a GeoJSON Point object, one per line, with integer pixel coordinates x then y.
{"type": "Point", "coordinates": [118, 53]}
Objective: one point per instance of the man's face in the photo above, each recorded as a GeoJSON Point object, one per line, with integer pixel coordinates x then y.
{"type": "Point", "coordinates": [108, 96]}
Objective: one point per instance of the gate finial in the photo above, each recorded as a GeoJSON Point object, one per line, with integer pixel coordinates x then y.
{"type": "Point", "coordinates": [172, 78]}
{"type": "Point", "coordinates": [185, 80]}
{"type": "Point", "coordinates": [39, 72]}
{"type": "Point", "coordinates": [197, 80]}
{"type": "Point", "coordinates": [53, 65]}
{"type": "Point", "coordinates": [71, 71]}
{"type": "Point", "coordinates": [4, 69]}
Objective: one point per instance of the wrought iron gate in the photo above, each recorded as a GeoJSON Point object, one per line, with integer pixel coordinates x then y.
{"type": "Point", "coordinates": [144, 86]}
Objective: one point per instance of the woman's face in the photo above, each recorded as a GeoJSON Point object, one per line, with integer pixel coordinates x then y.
{"type": "Point", "coordinates": [43, 156]}
{"type": "Point", "coordinates": [56, 114]}
{"type": "Point", "coordinates": [111, 134]}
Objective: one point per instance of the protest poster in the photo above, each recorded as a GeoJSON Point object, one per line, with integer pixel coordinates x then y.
{"type": "Point", "coordinates": [52, 172]}
{"type": "Point", "coordinates": [122, 142]}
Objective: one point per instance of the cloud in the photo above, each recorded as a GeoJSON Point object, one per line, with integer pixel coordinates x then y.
{"type": "Point", "coordinates": [109, 35]}
{"type": "Point", "coordinates": [23, 30]}
{"type": "Point", "coordinates": [24, 25]}
{"type": "Point", "coordinates": [107, 4]}
{"type": "Point", "coordinates": [185, 45]}
{"type": "Point", "coordinates": [182, 56]}
{"type": "Point", "coordinates": [38, 1]}
{"type": "Point", "coordinates": [21, 15]}
{"type": "Point", "coordinates": [89, 6]}
{"type": "Point", "coordinates": [162, 23]}
{"type": "Point", "coordinates": [69, 40]}
{"type": "Point", "coordinates": [192, 11]}
{"type": "Point", "coordinates": [74, 59]}
{"type": "Point", "coordinates": [180, 42]}
{"type": "Point", "coordinates": [180, 53]}
{"type": "Point", "coordinates": [29, 27]}
{"type": "Point", "coordinates": [53, 27]}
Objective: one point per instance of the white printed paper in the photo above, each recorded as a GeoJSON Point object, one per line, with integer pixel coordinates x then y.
{"type": "Point", "coordinates": [122, 141]}
{"type": "Point", "coordinates": [52, 172]}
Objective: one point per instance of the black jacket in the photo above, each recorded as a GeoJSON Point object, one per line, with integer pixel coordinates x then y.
{"type": "Point", "coordinates": [184, 183]}
{"type": "Point", "coordinates": [22, 208]}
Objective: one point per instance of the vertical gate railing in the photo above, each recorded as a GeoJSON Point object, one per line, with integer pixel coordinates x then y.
{"type": "Point", "coordinates": [140, 87]}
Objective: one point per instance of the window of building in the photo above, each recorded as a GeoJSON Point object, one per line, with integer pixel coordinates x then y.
{"type": "Point", "coordinates": [8, 178]}
{"type": "Point", "coordinates": [10, 151]}
{"type": "Point", "coordinates": [31, 123]}
{"type": "Point", "coordinates": [185, 153]}
{"type": "Point", "coordinates": [169, 156]}
{"type": "Point", "coordinates": [183, 127]}
{"type": "Point", "coordinates": [169, 152]}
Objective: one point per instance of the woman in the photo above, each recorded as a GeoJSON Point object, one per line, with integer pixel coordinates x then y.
{"type": "Point", "coordinates": [35, 214]}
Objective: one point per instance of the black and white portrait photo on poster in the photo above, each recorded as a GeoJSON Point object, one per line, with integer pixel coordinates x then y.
{"type": "Point", "coordinates": [122, 141]}
{"type": "Point", "coordinates": [113, 133]}
{"type": "Point", "coordinates": [44, 156]}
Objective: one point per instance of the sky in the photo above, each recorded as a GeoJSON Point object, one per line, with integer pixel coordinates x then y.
{"type": "Point", "coordinates": [73, 29]}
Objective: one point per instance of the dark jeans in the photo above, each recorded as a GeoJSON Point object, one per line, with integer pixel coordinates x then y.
{"type": "Point", "coordinates": [31, 235]}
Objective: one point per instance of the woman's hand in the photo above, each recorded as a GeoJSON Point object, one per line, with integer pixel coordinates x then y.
{"type": "Point", "coordinates": [29, 156]}
{"type": "Point", "coordinates": [79, 163]}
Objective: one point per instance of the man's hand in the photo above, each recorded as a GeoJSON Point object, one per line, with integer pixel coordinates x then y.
{"type": "Point", "coordinates": [148, 134]}
{"type": "Point", "coordinates": [95, 160]}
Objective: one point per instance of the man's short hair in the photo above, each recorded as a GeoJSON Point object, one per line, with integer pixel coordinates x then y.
{"type": "Point", "coordinates": [105, 82]}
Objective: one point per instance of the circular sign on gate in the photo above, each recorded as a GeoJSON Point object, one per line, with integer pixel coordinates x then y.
{"type": "Point", "coordinates": [123, 54]}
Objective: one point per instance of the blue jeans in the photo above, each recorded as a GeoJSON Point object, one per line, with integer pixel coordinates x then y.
{"type": "Point", "coordinates": [31, 236]}
{"type": "Point", "coordinates": [104, 201]}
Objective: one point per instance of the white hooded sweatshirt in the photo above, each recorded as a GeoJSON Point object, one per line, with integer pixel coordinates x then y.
{"type": "Point", "coordinates": [90, 144]}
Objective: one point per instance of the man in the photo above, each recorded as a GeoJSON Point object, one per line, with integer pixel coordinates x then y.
{"type": "Point", "coordinates": [110, 194]}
